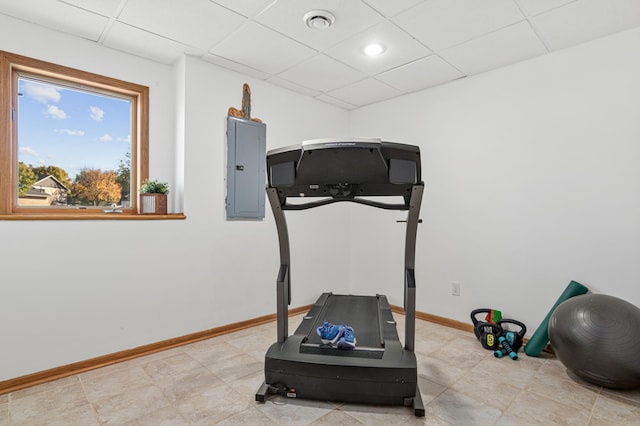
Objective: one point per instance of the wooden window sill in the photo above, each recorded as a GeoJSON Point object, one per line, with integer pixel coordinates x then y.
{"type": "Point", "coordinates": [92, 216]}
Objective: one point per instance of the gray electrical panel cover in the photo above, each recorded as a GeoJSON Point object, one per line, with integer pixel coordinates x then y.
{"type": "Point", "coordinates": [246, 177]}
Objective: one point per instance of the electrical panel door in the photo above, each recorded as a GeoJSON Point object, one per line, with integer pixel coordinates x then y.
{"type": "Point", "coordinates": [246, 150]}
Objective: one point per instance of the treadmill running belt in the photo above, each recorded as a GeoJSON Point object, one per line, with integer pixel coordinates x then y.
{"type": "Point", "coordinates": [358, 312]}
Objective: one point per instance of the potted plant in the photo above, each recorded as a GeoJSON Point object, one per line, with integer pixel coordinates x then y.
{"type": "Point", "coordinates": [153, 197]}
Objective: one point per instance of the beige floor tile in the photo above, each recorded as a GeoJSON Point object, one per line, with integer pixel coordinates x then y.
{"type": "Point", "coordinates": [235, 368]}
{"type": "Point", "coordinates": [460, 352]}
{"type": "Point", "coordinates": [77, 415]}
{"type": "Point", "coordinates": [248, 385]}
{"type": "Point", "coordinates": [427, 346]}
{"type": "Point", "coordinates": [244, 332]}
{"type": "Point", "coordinates": [167, 416]}
{"type": "Point", "coordinates": [439, 372]}
{"type": "Point", "coordinates": [336, 417]}
{"type": "Point", "coordinates": [509, 419]}
{"type": "Point", "coordinates": [4, 411]}
{"type": "Point", "coordinates": [486, 386]}
{"type": "Point", "coordinates": [517, 373]}
{"type": "Point", "coordinates": [211, 405]}
{"type": "Point", "coordinates": [125, 376]}
{"type": "Point", "coordinates": [563, 390]}
{"type": "Point", "coordinates": [53, 386]}
{"type": "Point", "coordinates": [436, 332]}
{"type": "Point", "coordinates": [253, 342]}
{"type": "Point", "coordinates": [291, 411]}
{"type": "Point", "coordinates": [258, 355]}
{"type": "Point", "coordinates": [156, 356]}
{"type": "Point", "coordinates": [130, 405]}
{"type": "Point", "coordinates": [386, 415]}
{"type": "Point", "coordinates": [51, 405]}
{"type": "Point", "coordinates": [459, 409]}
{"type": "Point", "coordinates": [429, 390]}
{"type": "Point", "coordinates": [208, 352]}
{"type": "Point", "coordinates": [250, 416]}
{"type": "Point", "coordinates": [181, 386]}
{"type": "Point", "coordinates": [631, 396]}
{"type": "Point", "coordinates": [179, 363]}
{"type": "Point", "coordinates": [215, 380]}
{"type": "Point", "coordinates": [610, 411]}
{"type": "Point", "coordinates": [543, 410]}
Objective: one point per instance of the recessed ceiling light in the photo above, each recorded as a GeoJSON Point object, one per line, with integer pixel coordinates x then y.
{"type": "Point", "coordinates": [373, 49]}
{"type": "Point", "coordinates": [318, 19]}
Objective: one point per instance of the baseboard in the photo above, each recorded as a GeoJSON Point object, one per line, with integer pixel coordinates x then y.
{"type": "Point", "coordinates": [458, 325]}
{"type": "Point", "coordinates": [40, 377]}
{"type": "Point", "coordinates": [437, 320]}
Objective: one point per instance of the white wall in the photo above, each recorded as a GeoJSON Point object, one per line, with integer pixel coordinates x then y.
{"type": "Point", "coordinates": [532, 180]}
{"type": "Point", "coordinates": [73, 290]}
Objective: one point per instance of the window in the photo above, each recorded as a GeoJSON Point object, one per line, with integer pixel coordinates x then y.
{"type": "Point", "coordinates": [72, 142]}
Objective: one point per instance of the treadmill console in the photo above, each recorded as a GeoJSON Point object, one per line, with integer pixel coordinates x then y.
{"type": "Point", "coordinates": [344, 169]}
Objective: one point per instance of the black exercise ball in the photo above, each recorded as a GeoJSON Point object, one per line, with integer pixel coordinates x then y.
{"type": "Point", "coordinates": [597, 337]}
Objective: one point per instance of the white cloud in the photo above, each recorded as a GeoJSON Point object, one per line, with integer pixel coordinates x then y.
{"type": "Point", "coordinates": [127, 139]}
{"type": "Point", "coordinates": [28, 150]}
{"type": "Point", "coordinates": [55, 112]}
{"type": "Point", "coordinates": [42, 93]}
{"type": "Point", "coordinates": [70, 132]}
{"type": "Point", "coordinates": [106, 138]}
{"type": "Point", "coordinates": [96, 113]}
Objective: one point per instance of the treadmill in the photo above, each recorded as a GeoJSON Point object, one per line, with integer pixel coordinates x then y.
{"type": "Point", "coordinates": [379, 370]}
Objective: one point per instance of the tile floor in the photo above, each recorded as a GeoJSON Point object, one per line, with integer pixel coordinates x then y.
{"type": "Point", "coordinates": [214, 382]}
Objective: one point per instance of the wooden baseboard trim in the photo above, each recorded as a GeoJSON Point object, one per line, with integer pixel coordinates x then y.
{"type": "Point", "coordinates": [437, 320]}
{"type": "Point", "coordinates": [52, 374]}
{"type": "Point", "coordinates": [40, 377]}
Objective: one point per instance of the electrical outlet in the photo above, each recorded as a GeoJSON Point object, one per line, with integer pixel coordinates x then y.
{"type": "Point", "coordinates": [455, 289]}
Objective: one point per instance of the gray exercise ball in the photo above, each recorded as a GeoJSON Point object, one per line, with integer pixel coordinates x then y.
{"type": "Point", "coordinates": [597, 337]}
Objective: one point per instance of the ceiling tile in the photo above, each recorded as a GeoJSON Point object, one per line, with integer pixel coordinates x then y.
{"type": "Point", "coordinates": [322, 73]}
{"type": "Point", "coordinates": [365, 92]}
{"type": "Point", "coordinates": [589, 19]}
{"type": "Point", "coordinates": [261, 48]}
{"type": "Point", "coordinates": [142, 43]}
{"type": "Point", "coordinates": [444, 23]}
{"type": "Point", "coordinates": [198, 23]}
{"type": "Point", "coordinates": [103, 7]}
{"type": "Point", "coordinates": [292, 86]}
{"type": "Point", "coordinates": [351, 16]}
{"type": "Point", "coordinates": [429, 42]}
{"type": "Point", "coordinates": [58, 16]}
{"type": "Point", "coordinates": [534, 7]}
{"type": "Point", "coordinates": [234, 66]}
{"type": "Point", "coordinates": [420, 74]}
{"type": "Point", "coordinates": [337, 102]}
{"type": "Point", "coordinates": [391, 8]}
{"type": "Point", "coordinates": [248, 8]}
{"type": "Point", "coordinates": [401, 48]}
{"type": "Point", "coordinates": [506, 46]}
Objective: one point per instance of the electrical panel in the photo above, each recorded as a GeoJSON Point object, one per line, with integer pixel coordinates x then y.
{"type": "Point", "coordinates": [246, 177]}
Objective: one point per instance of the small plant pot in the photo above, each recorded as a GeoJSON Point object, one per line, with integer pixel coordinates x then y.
{"type": "Point", "coordinates": [153, 203]}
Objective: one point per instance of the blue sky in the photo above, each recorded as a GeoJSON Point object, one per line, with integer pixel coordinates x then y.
{"type": "Point", "coordinates": [71, 129]}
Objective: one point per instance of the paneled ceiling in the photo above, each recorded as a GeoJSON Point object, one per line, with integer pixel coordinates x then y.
{"type": "Point", "coordinates": [425, 42]}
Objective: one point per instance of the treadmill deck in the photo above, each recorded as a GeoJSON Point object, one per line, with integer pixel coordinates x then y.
{"type": "Point", "coordinates": [379, 370]}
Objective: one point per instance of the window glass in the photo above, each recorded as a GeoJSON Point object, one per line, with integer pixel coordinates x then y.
{"type": "Point", "coordinates": [74, 145]}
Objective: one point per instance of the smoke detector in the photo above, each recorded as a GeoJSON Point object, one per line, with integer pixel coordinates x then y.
{"type": "Point", "coordinates": [318, 19]}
